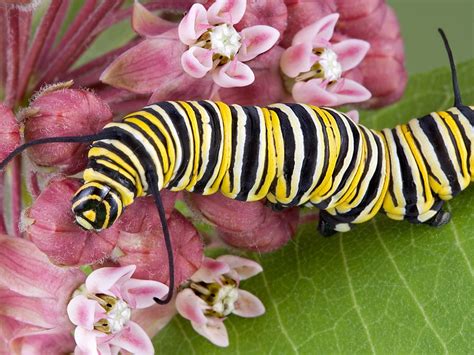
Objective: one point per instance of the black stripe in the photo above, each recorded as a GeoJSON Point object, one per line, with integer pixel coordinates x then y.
{"type": "Point", "coordinates": [250, 161]}
{"type": "Point", "coordinates": [428, 125]}
{"type": "Point", "coordinates": [141, 152]}
{"type": "Point", "coordinates": [185, 140]}
{"type": "Point", "coordinates": [216, 142]}
{"type": "Point", "coordinates": [310, 150]}
{"type": "Point", "coordinates": [112, 174]}
{"type": "Point", "coordinates": [234, 117]}
{"type": "Point", "coordinates": [289, 147]}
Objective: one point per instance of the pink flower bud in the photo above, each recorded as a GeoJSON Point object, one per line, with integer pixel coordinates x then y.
{"type": "Point", "coordinates": [50, 225]}
{"type": "Point", "coordinates": [247, 225]}
{"type": "Point", "coordinates": [275, 231]}
{"type": "Point", "coordinates": [9, 132]}
{"type": "Point", "coordinates": [141, 241]}
{"type": "Point", "coordinates": [272, 13]}
{"type": "Point", "coordinates": [65, 112]}
{"type": "Point", "coordinates": [302, 13]}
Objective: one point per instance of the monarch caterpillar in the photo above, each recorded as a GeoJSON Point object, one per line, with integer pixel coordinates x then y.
{"type": "Point", "coordinates": [290, 154]}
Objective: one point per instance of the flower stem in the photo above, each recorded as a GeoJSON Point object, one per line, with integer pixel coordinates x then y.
{"type": "Point", "coordinates": [67, 53]}
{"type": "Point", "coordinates": [12, 56]}
{"type": "Point", "coordinates": [16, 195]}
{"type": "Point", "coordinates": [34, 51]}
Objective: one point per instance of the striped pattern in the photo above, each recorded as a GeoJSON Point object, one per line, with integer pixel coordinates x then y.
{"type": "Point", "coordinates": [290, 154]}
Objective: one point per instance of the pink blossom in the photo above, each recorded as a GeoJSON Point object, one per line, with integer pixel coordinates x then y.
{"type": "Point", "coordinates": [102, 310]}
{"type": "Point", "coordinates": [33, 298]}
{"type": "Point", "coordinates": [314, 66]}
{"type": "Point", "coordinates": [205, 40]}
{"type": "Point", "coordinates": [213, 294]}
{"type": "Point", "coordinates": [64, 112]}
{"type": "Point", "coordinates": [214, 43]}
{"type": "Point", "coordinates": [382, 71]}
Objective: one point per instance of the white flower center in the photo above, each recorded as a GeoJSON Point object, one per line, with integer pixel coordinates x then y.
{"type": "Point", "coordinates": [225, 40]}
{"type": "Point", "coordinates": [331, 67]}
{"type": "Point", "coordinates": [225, 300]}
{"type": "Point", "coordinates": [118, 316]}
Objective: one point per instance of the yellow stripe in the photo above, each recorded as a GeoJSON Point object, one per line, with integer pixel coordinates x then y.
{"type": "Point", "coordinates": [85, 198]}
{"type": "Point", "coordinates": [459, 145]}
{"type": "Point", "coordinates": [226, 117]}
{"type": "Point", "coordinates": [167, 170]}
{"type": "Point", "coordinates": [334, 142]}
{"type": "Point", "coordinates": [96, 152]}
{"type": "Point", "coordinates": [271, 158]}
{"type": "Point", "coordinates": [280, 189]}
{"type": "Point", "coordinates": [125, 194]}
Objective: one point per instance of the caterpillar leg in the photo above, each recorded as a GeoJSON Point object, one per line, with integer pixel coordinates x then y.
{"type": "Point", "coordinates": [329, 225]}
{"type": "Point", "coordinates": [440, 218]}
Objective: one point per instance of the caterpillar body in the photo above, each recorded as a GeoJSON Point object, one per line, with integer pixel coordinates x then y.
{"type": "Point", "coordinates": [289, 154]}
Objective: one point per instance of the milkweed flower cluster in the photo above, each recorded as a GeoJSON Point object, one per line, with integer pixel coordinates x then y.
{"type": "Point", "coordinates": [102, 309]}
{"type": "Point", "coordinates": [247, 52]}
{"type": "Point", "coordinates": [213, 293]}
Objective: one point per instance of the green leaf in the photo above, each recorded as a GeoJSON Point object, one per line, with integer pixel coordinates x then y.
{"type": "Point", "coordinates": [385, 287]}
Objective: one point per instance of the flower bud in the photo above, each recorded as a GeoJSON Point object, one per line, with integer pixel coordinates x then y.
{"type": "Point", "coordinates": [247, 225]}
{"type": "Point", "coordinates": [141, 242]}
{"type": "Point", "coordinates": [302, 13]}
{"type": "Point", "coordinates": [50, 225]}
{"type": "Point", "coordinates": [9, 132]}
{"type": "Point", "coordinates": [272, 13]}
{"type": "Point", "coordinates": [64, 112]}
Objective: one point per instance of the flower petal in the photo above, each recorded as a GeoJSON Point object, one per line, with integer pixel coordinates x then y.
{"type": "Point", "coordinates": [256, 40]}
{"type": "Point", "coordinates": [86, 340]}
{"type": "Point", "coordinates": [214, 330]}
{"type": "Point", "coordinates": [210, 270]}
{"type": "Point", "coordinates": [351, 52]}
{"type": "Point", "coordinates": [147, 66]}
{"type": "Point", "coordinates": [197, 61]}
{"type": "Point", "coordinates": [27, 271]}
{"type": "Point", "coordinates": [146, 23]}
{"type": "Point", "coordinates": [226, 11]}
{"type": "Point", "coordinates": [244, 267]}
{"type": "Point", "coordinates": [193, 25]}
{"type": "Point", "coordinates": [349, 91]}
{"type": "Point", "coordinates": [248, 305]}
{"type": "Point", "coordinates": [313, 92]}
{"type": "Point", "coordinates": [297, 59]}
{"type": "Point", "coordinates": [233, 74]}
{"type": "Point", "coordinates": [319, 32]}
{"type": "Point", "coordinates": [104, 279]}
{"type": "Point", "coordinates": [133, 339]}
{"type": "Point", "coordinates": [140, 293]}
{"type": "Point", "coordinates": [353, 115]}
{"type": "Point", "coordinates": [191, 306]}
{"type": "Point", "coordinates": [81, 312]}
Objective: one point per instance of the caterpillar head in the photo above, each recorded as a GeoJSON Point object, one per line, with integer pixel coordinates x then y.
{"type": "Point", "coordinates": [96, 206]}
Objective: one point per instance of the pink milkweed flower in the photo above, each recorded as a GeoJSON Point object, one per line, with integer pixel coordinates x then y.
{"type": "Point", "coordinates": [33, 298]}
{"type": "Point", "coordinates": [102, 311]}
{"type": "Point", "coordinates": [314, 66]}
{"type": "Point", "coordinates": [213, 293]}
{"type": "Point", "coordinates": [215, 45]}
